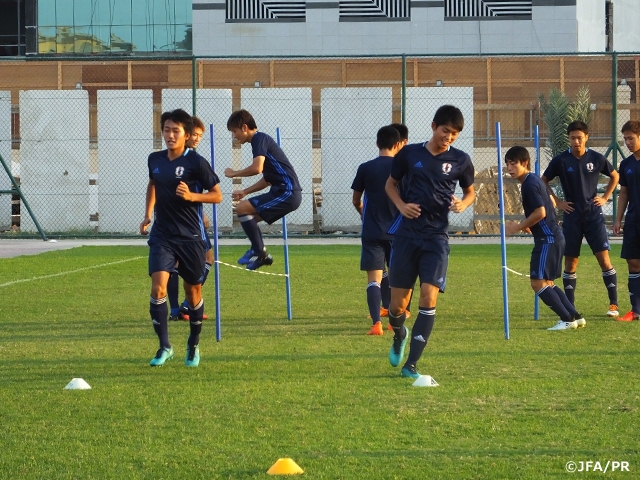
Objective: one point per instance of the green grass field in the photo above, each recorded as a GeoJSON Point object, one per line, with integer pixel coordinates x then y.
{"type": "Point", "coordinates": [316, 389]}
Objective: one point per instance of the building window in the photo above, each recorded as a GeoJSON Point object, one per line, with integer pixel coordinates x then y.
{"type": "Point", "coordinates": [368, 10]}
{"type": "Point", "coordinates": [475, 9]}
{"type": "Point", "coordinates": [114, 27]}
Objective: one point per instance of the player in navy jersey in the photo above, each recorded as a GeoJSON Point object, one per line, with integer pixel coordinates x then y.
{"type": "Point", "coordinates": [546, 257]}
{"type": "Point", "coordinates": [283, 197]}
{"type": "Point", "coordinates": [420, 248]}
{"type": "Point", "coordinates": [377, 213]}
{"type": "Point", "coordinates": [579, 170]}
{"type": "Point", "coordinates": [629, 200]}
{"type": "Point", "coordinates": [178, 178]}
{"type": "Point", "coordinates": [180, 311]}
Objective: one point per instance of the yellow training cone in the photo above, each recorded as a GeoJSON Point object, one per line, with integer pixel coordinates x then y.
{"type": "Point", "coordinates": [285, 466]}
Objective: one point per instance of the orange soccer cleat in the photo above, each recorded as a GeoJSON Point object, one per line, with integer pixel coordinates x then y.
{"type": "Point", "coordinates": [630, 316]}
{"type": "Point", "coordinates": [376, 329]}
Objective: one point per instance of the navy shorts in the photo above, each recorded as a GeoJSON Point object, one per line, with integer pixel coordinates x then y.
{"type": "Point", "coordinates": [375, 254]}
{"type": "Point", "coordinates": [190, 255]}
{"type": "Point", "coordinates": [426, 258]}
{"type": "Point", "coordinates": [592, 229]}
{"type": "Point", "coordinates": [546, 260]}
{"type": "Point", "coordinates": [276, 203]}
{"type": "Point", "coordinates": [630, 241]}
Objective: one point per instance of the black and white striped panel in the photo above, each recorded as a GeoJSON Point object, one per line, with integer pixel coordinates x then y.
{"type": "Point", "coordinates": [375, 8]}
{"type": "Point", "coordinates": [487, 8]}
{"type": "Point", "coordinates": [264, 9]}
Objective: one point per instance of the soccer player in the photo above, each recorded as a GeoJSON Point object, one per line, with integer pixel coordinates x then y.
{"type": "Point", "coordinates": [546, 256]}
{"type": "Point", "coordinates": [420, 247]}
{"type": "Point", "coordinates": [283, 197]}
{"type": "Point", "coordinates": [377, 213]}
{"type": "Point", "coordinates": [181, 311]}
{"type": "Point", "coordinates": [178, 178]}
{"type": "Point", "coordinates": [629, 200]}
{"type": "Point", "coordinates": [579, 170]}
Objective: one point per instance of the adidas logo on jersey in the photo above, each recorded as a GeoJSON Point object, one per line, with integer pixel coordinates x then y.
{"type": "Point", "coordinates": [629, 170]}
{"type": "Point", "coordinates": [418, 165]}
{"type": "Point", "coordinates": [570, 169]}
{"type": "Point", "coordinates": [156, 170]}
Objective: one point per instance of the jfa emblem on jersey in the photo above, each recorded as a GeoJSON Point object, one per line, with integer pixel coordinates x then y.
{"type": "Point", "coordinates": [446, 168]}
{"type": "Point", "coordinates": [589, 167]}
{"type": "Point", "coordinates": [179, 172]}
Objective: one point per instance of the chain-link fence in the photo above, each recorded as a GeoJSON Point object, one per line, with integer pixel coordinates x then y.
{"type": "Point", "coordinates": [77, 133]}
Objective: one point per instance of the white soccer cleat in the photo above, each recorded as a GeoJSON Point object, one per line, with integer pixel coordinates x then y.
{"type": "Point", "coordinates": [579, 320]}
{"type": "Point", "coordinates": [561, 325]}
{"type": "Point", "coordinates": [613, 311]}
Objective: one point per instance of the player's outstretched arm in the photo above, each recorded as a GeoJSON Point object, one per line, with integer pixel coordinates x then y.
{"type": "Point", "coordinates": [564, 206]}
{"type": "Point", "coordinates": [409, 210]}
{"type": "Point", "coordinates": [623, 201]}
{"type": "Point", "coordinates": [613, 181]}
{"type": "Point", "coordinates": [459, 205]}
{"type": "Point", "coordinates": [537, 215]}
{"type": "Point", "coordinates": [212, 196]}
{"type": "Point", "coordinates": [356, 200]}
{"type": "Point", "coordinates": [254, 169]}
{"type": "Point", "coordinates": [150, 202]}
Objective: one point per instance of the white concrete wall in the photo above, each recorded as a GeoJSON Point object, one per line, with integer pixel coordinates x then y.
{"type": "Point", "coordinates": [591, 25]}
{"type": "Point", "coordinates": [553, 29]}
{"type": "Point", "coordinates": [125, 140]}
{"type": "Point", "coordinates": [351, 118]}
{"type": "Point", "coordinates": [290, 110]}
{"type": "Point", "coordinates": [213, 107]}
{"type": "Point", "coordinates": [5, 151]}
{"type": "Point", "coordinates": [626, 18]}
{"type": "Point", "coordinates": [54, 165]}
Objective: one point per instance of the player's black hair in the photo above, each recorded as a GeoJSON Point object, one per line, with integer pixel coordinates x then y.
{"type": "Point", "coordinates": [578, 126]}
{"type": "Point", "coordinates": [178, 116]}
{"type": "Point", "coordinates": [239, 118]}
{"type": "Point", "coordinates": [449, 115]}
{"type": "Point", "coordinates": [387, 137]}
{"type": "Point", "coordinates": [197, 123]}
{"type": "Point", "coordinates": [518, 154]}
{"type": "Point", "coordinates": [632, 126]}
{"type": "Point", "coordinates": [402, 130]}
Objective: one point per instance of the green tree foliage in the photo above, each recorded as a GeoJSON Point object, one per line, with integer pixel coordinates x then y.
{"type": "Point", "coordinates": [558, 112]}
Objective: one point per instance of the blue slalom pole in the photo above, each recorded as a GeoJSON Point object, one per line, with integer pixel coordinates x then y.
{"type": "Point", "coordinates": [503, 239]}
{"type": "Point", "coordinates": [286, 250]}
{"type": "Point", "coordinates": [216, 265]}
{"type": "Point", "coordinates": [536, 140]}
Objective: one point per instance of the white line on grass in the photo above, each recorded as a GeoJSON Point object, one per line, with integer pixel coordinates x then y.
{"type": "Point", "coordinates": [69, 272]}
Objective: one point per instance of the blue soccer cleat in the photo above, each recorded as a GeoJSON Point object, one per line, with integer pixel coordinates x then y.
{"type": "Point", "coordinates": [161, 357]}
{"type": "Point", "coordinates": [258, 261]}
{"type": "Point", "coordinates": [409, 371]}
{"type": "Point", "coordinates": [193, 356]}
{"type": "Point", "coordinates": [397, 349]}
{"type": "Point", "coordinates": [246, 258]}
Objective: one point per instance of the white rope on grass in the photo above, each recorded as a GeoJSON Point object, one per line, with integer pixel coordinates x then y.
{"type": "Point", "coordinates": [513, 271]}
{"type": "Point", "coordinates": [252, 271]}
{"type": "Point", "coordinates": [68, 272]}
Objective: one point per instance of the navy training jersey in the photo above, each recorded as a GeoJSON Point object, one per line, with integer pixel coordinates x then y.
{"type": "Point", "coordinates": [579, 179]}
{"type": "Point", "coordinates": [378, 211]}
{"type": "Point", "coordinates": [535, 195]}
{"type": "Point", "coordinates": [630, 178]}
{"type": "Point", "coordinates": [430, 182]}
{"type": "Point", "coordinates": [277, 170]}
{"type": "Point", "coordinates": [175, 217]}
